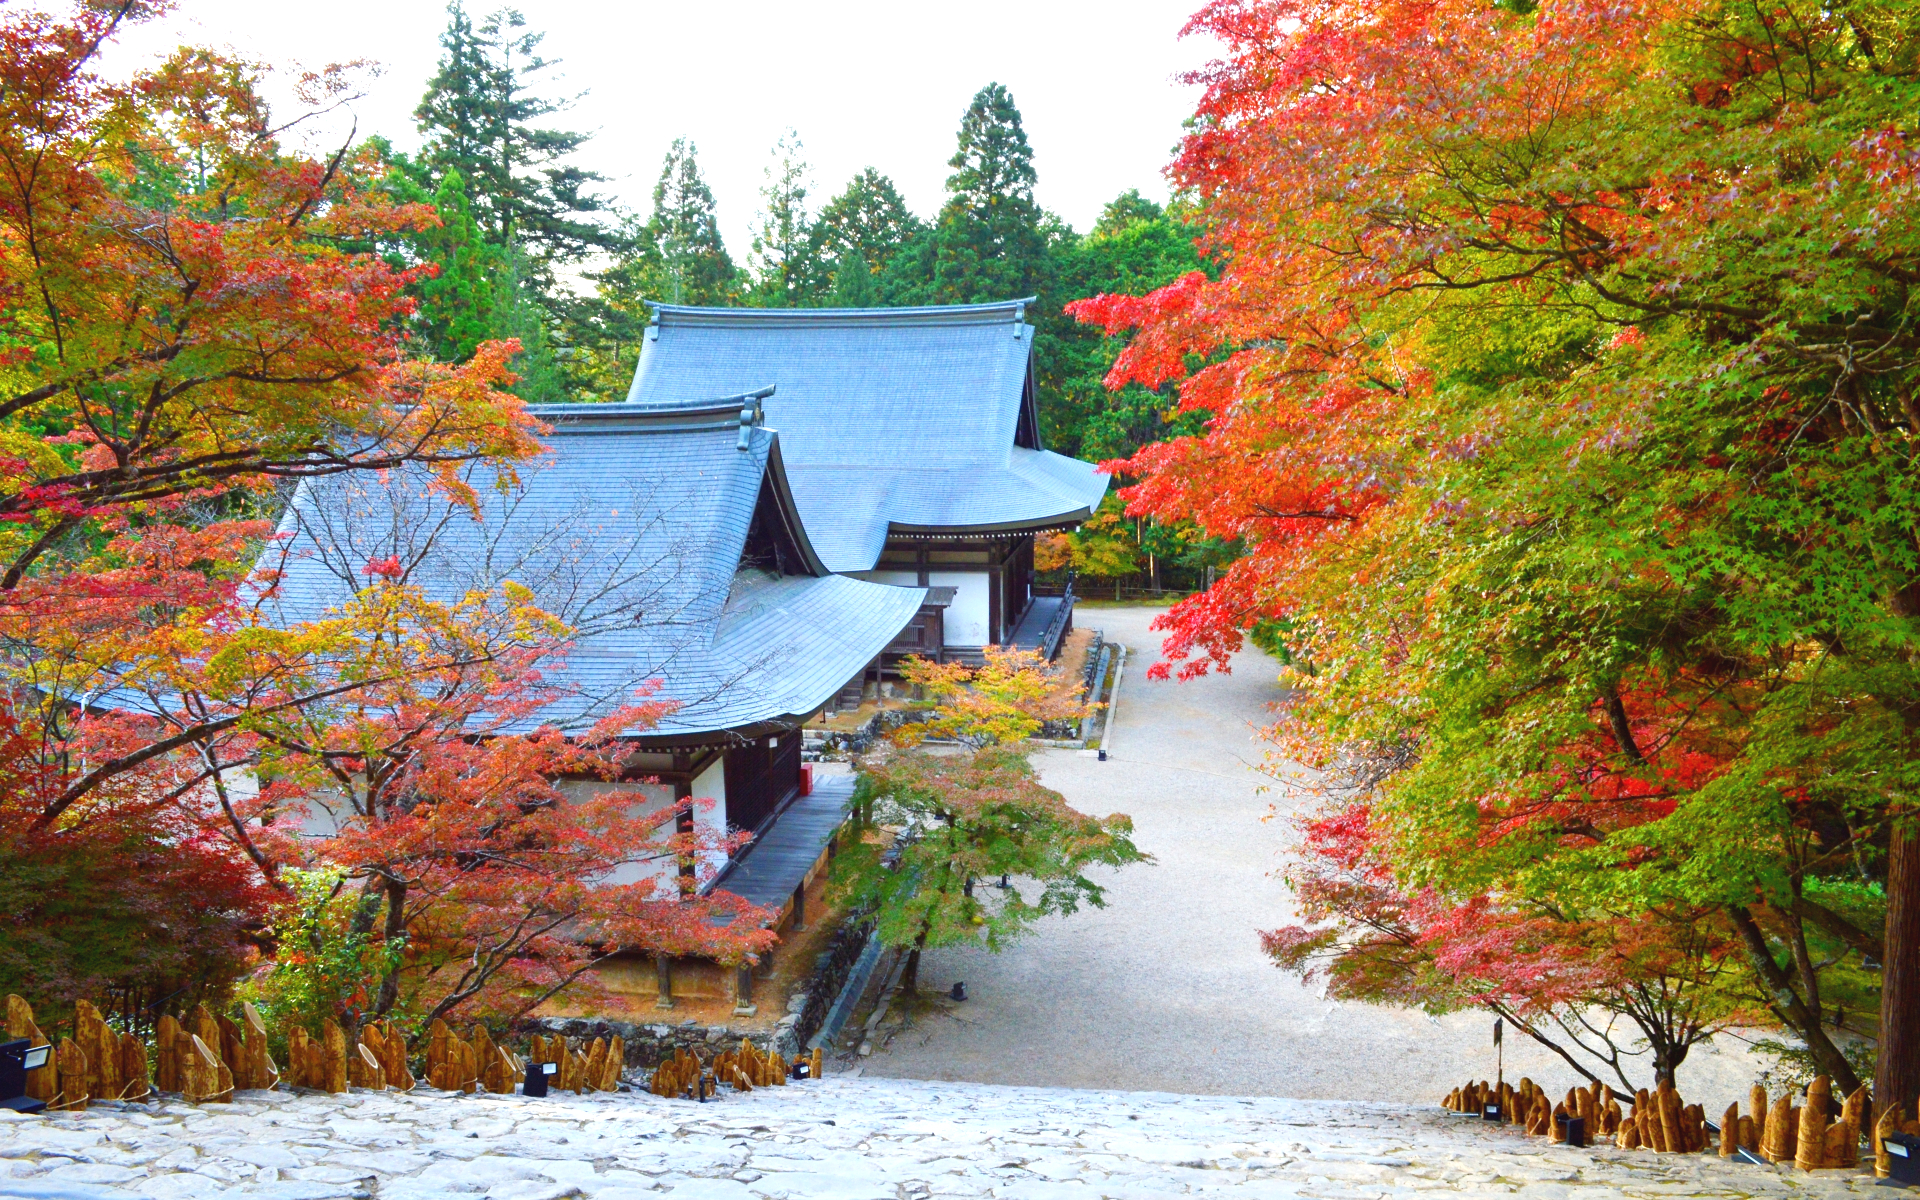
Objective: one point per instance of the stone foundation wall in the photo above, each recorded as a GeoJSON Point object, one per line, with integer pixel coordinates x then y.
{"type": "Point", "coordinates": [821, 745]}
{"type": "Point", "coordinates": [650, 1044]}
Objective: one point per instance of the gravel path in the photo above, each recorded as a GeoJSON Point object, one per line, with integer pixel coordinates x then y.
{"type": "Point", "coordinates": [1166, 989]}
{"type": "Point", "coordinates": [836, 1139]}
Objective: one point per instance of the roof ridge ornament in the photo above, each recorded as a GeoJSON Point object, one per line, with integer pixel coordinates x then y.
{"type": "Point", "coordinates": [1019, 318]}
{"type": "Point", "coordinates": [753, 414]}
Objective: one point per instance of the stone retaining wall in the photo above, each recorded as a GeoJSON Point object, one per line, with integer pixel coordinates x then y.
{"type": "Point", "coordinates": [825, 745]}
{"type": "Point", "coordinates": [648, 1045]}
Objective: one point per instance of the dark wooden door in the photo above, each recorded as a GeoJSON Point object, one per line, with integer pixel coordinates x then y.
{"type": "Point", "coordinates": [761, 776]}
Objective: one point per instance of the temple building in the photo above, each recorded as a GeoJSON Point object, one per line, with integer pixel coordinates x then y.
{"type": "Point", "coordinates": [869, 488]}
{"type": "Point", "coordinates": [671, 543]}
{"type": "Point", "coordinates": [912, 441]}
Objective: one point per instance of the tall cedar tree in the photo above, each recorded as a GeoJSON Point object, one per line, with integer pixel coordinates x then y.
{"type": "Point", "coordinates": [675, 256]}
{"type": "Point", "coordinates": [682, 243]}
{"type": "Point", "coordinates": [865, 225]}
{"type": "Point", "coordinates": [989, 242]}
{"type": "Point", "coordinates": [459, 298]}
{"type": "Point", "coordinates": [480, 119]}
{"type": "Point", "coordinates": [1573, 434]}
{"type": "Point", "coordinates": [783, 262]}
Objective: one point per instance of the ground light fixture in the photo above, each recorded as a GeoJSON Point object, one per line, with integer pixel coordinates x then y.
{"type": "Point", "coordinates": [1903, 1159]}
{"type": "Point", "coordinates": [16, 1059]}
{"type": "Point", "coordinates": [1575, 1129]}
{"type": "Point", "coordinates": [535, 1084]}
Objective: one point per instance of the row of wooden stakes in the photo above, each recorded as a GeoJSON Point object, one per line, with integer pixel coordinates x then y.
{"type": "Point", "coordinates": [471, 1064]}
{"type": "Point", "coordinates": [207, 1057]}
{"type": "Point", "coordinates": [96, 1063]}
{"type": "Point", "coordinates": [744, 1070]}
{"type": "Point", "coordinates": [1809, 1137]}
{"type": "Point", "coordinates": [1657, 1120]}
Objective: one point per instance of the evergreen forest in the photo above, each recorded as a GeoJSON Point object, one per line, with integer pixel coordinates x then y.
{"type": "Point", "coordinates": [530, 247]}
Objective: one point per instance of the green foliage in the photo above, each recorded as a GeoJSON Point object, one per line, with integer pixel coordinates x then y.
{"type": "Point", "coordinates": [457, 305]}
{"type": "Point", "coordinates": [1105, 546]}
{"type": "Point", "coordinates": [125, 916]}
{"type": "Point", "coordinates": [960, 822]}
{"type": "Point", "coordinates": [868, 223]}
{"type": "Point", "coordinates": [959, 819]}
{"type": "Point", "coordinates": [1135, 247]}
{"type": "Point", "coordinates": [680, 257]}
{"type": "Point", "coordinates": [990, 242]}
{"type": "Point", "coordinates": [517, 313]}
{"type": "Point", "coordinates": [784, 262]}
{"type": "Point", "coordinates": [479, 117]}
{"type": "Point", "coordinates": [328, 963]}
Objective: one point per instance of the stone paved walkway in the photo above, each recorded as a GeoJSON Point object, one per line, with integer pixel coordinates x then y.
{"type": "Point", "coordinates": [835, 1139]}
{"type": "Point", "coordinates": [1166, 988]}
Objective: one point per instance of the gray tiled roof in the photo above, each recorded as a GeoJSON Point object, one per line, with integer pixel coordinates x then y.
{"type": "Point", "coordinates": [631, 529]}
{"type": "Point", "coordinates": [917, 419]}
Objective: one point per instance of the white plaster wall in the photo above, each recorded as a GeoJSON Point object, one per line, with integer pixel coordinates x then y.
{"type": "Point", "coordinates": [965, 621]}
{"type": "Point", "coordinates": [710, 808]}
{"type": "Point", "coordinates": [649, 798]}
{"type": "Point", "coordinates": [966, 617]}
{"type": "Point", "coordinates": [897, 578]}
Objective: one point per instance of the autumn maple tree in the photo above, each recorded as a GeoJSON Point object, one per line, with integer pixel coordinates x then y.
{"type": "Point", "coordinates": [1559, 380]}
{"type": "Point", "coordinates": [438, 791]}
{"type": "Point", "coordinates": [962, 814]}
{"type": "Point", "coordinates": [189, 327]}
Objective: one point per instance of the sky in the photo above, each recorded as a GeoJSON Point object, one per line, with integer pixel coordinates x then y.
{"type": "Point", "coordinates": [864, 84]}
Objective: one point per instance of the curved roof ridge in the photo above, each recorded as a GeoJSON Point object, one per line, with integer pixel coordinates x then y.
{"type": "Point", "coordinates": [989, 313]}
{"type": "Point", "coordinates": [723, 412]}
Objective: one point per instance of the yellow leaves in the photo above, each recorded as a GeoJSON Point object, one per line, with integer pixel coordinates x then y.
{"type": "Point", "coordinates": [1007, 700]}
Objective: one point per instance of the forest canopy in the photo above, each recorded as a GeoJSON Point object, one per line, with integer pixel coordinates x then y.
{"type": "Point", "coordinates": [1558, 378]}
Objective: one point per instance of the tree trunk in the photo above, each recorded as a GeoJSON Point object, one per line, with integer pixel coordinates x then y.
{"type": "Point", "coordinates": [1667, 1057]}
{"type": "Point", "coordinates": [1788, 1006]}
{"type": "Point", "coordinates": [1897, 1079]}
{"type": "Point", "coordinates": [910, 978]}
{"type": "Point", "coordinates": [395, 930]}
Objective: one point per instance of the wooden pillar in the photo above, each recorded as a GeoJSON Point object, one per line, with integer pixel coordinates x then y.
{"type": "Point", "coordinates": [994, 608]}
{"type": "Point", "coordinates": [743, 1005]}
{"type": "Point", "coordinates": [663, 975]}
{"type": "Point", "coordinates": [800, 907]}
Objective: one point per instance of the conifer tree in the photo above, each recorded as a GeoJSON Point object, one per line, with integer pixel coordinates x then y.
{"type": "Point", "coordinates": [867, 222]}
{"type": "Point", "coordinates": [990, 242]}
{"type": "Point", "coordinates": [480, 118]}
{"type": "Point", "coordinates": [785, 274]}
{"type": "Point", "coordinates": [684, 237]}
{"type": "Point", "coordinates": [456, 304]}
{"type": "Point", "coordinates": [517, 313]}
{"type": "Point", "coordinates": [854, 285]}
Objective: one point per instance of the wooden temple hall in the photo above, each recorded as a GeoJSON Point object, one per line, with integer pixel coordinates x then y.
{"type": "Point", "coordinates": [869, 487]}
{"type": "Point", "coordinates": [912, 439]}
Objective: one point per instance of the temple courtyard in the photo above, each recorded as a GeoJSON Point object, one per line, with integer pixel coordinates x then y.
{"type": "Point", "coordinates": [1144, 1050]}
{"type": "Point", "coordinates": [1166, 989]}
